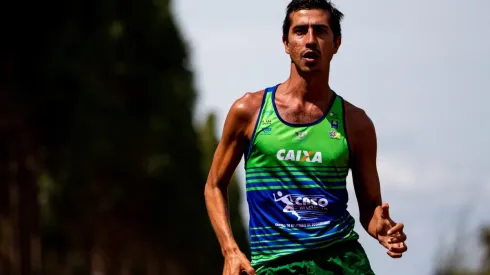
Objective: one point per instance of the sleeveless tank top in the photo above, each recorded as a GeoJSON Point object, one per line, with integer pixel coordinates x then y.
{"type": "Point", "coordinates": [296, 183]}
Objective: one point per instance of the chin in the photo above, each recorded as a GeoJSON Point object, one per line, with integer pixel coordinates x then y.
{"type": "Point", "coordinates": [306, 69]}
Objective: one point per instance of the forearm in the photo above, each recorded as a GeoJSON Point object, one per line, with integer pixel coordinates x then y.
{"type": "Point", "coordinates": [217, 207]}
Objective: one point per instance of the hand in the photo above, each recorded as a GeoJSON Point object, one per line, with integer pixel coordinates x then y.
{"type": "Point", "coordinates": [237, 264]}
{"type": "Point", "coordinates": [390, 234]}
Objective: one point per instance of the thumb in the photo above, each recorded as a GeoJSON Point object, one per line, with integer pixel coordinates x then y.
{"type": "Point", "coordinates": [248, 268]}
{"type": "Point", "coordinates": [385, 207]}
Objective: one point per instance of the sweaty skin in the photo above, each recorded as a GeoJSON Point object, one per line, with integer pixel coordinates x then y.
{"type": "Point", "coordinates": [237, 131]}
{"type": "Point", "coordinates": [302, 98]}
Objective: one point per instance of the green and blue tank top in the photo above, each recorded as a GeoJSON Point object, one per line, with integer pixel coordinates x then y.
{"type": "Point", "coordinates": [296, 182]}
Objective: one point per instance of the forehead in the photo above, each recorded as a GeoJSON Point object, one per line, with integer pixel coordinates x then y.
{"type": "Point", "coordinates": [313, 17]}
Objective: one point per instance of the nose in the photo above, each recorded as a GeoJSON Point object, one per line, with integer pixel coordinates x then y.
{"type": "Point", "coordinates": [311, 38]}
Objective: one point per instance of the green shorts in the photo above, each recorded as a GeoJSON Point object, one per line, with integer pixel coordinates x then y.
{"type": "Point", "coordinates": [345, 258]}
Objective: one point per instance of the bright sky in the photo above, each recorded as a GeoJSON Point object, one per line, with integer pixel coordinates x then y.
{"type": "Point", "coordinates": [419, 70]}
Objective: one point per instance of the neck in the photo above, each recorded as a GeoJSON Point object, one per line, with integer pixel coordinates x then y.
{"type": "Point", "coordinates": [308, 86]}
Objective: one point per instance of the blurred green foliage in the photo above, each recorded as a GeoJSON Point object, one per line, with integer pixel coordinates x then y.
{"type": "Point", "coordinates": [99, 152]}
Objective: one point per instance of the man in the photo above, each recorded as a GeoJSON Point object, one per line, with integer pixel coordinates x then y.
{"type": "Point", "coordinates": [299, 139]}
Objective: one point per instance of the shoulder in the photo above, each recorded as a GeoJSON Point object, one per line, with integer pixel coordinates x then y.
{"type": "Point", "coordinates": [243, 113]}
{"type": "Point", "coordinates": [248, 105]}
{"type": "Point", "coordinates": [359, 126]}
{"type": "Point", "coordinates": [357, 117]}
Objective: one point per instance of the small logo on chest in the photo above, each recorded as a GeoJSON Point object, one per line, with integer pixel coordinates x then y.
{"type": "Point", "coordinates": [299, 156]}
{"type": "Point", "coordinates": [267, 131]}
{"type": "Point", "coordinates": [301, 135]}
{"type": "Point", "coordinates": [334, 135]}
{"type": "Point", "coordinates": [266, 121]}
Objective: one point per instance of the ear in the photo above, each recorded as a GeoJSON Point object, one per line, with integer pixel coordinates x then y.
{"type": "Point", "coordinates": [286, 44]}
{"type": "Point", "coordinates": [337, 43]}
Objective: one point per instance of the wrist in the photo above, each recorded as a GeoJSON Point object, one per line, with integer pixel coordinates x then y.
{"type": "Point", "coordinates": [229, 250]}
{"type": "Point", "coordinates": [372, 228]}
{"type": "Point", "coordinates": [373, 231]}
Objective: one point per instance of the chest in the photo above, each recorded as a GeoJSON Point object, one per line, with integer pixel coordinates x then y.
{"type": "Point", "coordinates": [277, 144]}
{"type": "Point", "coordinates": [300, 115]}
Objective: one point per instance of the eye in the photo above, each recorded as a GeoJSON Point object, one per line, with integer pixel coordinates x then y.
{"type": "Point", "coordinates": [300, 30]}
{"type": "Point", "coordinates": [320, 30]}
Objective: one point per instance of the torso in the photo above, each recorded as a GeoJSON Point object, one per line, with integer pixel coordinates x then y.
{"type": "Point", "coordinates": [296, 166]}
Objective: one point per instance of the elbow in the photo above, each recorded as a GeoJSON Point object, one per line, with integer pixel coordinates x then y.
{"type": "Point", "coordinates": [208, 194]}
{"type": "Point", "coordinates": [210, 187]}
{"type": "Point", "coordinates": [214, 194]}
{"type": "Point", "coordinates": [207, 189]}
{"type": "Point", "coordinates": [209, 183]}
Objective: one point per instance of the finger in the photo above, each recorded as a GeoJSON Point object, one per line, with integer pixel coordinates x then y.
{"type": "Point", "coordinates": [394, 254]}
{"type": "Point", "coordinates": [398, 248]}
{"type": "Point", "coordinates": [385, 207]}
{"type": "Point", "coordinates": [399, 239]}
{"type": "Point", "coordinates": [395, 229]}
{"type": "Point", "coordinates": [385, 244]}
{"type": "Point", "coordinates": [249, 269]}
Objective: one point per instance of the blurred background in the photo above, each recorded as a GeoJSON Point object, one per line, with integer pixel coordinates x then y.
{"type": "Point", "coordinates": [110, 112]}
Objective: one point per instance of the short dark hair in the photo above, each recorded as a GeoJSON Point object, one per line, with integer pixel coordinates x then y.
{"type": "Point", "coordinates": [296, 5]}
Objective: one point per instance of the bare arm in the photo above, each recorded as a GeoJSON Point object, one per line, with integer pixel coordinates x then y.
{"type": "Point", "coordinates": [227, 156]}
{"type": "Point", "coordinates": [364, 168]}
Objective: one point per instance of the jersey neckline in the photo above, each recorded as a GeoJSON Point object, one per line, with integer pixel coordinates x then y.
{"type": "Point", "coordinates": [320, 119]}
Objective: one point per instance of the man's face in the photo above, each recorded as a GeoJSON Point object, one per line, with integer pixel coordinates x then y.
{"type": "Point", "coordinates": [311, 44]}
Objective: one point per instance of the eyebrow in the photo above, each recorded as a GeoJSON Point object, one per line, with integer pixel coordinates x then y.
{"type": "Point", "coordinates": [313, 25]}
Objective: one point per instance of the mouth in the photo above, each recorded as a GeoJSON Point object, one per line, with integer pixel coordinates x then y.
{"type": "Point", "coordinates": [311, 56]}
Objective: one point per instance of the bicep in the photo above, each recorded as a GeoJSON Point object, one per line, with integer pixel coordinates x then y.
{"type": "Point", "coordinates": [364, 167]}
{"type": "Point", "coordinates": [229, 151]}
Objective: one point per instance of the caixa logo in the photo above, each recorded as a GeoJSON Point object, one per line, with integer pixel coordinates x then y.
{"type": "Point", "coordinates": [299, 156]}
